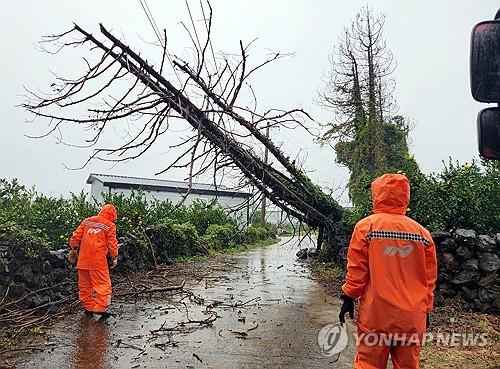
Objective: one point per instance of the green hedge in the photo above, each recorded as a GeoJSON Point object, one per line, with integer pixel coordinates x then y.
{"type": "Point", "coordinates": [18, 238]}
{"type": "Point", "coordinates": [51, 219]}
{"type": "Point", "coordinates": [220, 236]}
{"type": "Point", "coordinates": [47, 222]}
{"type": "Point", "coordinates": [460, 196]}
{"type": "Point", "coordinates": [174, 240]}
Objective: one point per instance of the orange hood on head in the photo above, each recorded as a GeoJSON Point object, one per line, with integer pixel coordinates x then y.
{"type": "Point", "coordinates": [390, 194]}
{"type": "Point", "coordinates": [108, 211]}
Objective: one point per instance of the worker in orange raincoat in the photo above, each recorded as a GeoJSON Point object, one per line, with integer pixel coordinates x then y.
{"type": "Point", "coordinates": [392, 269]}
{"type": "Point", "coordinates": [94, 241]}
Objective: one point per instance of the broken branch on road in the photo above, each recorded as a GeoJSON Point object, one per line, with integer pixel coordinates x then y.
{"type": "Point", "coordinates": [152, 290]}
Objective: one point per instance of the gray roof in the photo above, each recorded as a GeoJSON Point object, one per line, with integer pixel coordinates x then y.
{"type": "Point", "coordinates": [154, 184]}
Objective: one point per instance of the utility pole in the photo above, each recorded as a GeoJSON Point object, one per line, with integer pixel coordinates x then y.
{"type": "Point", "coordinates": [263, 204]}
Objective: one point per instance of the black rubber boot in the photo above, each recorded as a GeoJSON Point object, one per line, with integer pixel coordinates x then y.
{"type": "Point", "coordinates": [104, 315]}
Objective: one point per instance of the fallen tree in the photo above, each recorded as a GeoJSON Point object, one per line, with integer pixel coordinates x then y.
{"type": "Point", "coordinates": [223, 133]}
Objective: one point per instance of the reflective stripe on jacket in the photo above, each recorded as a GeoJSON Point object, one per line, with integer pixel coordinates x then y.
{"type": "Point", "coordinates": [391, 263]}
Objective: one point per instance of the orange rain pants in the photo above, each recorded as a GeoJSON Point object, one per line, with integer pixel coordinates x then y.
{"type": "Point", "coordinates": [94, 289]}
{"type": "Point", "coordinates": [375, 357]}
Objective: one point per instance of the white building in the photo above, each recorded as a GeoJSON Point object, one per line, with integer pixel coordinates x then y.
{"type": "Point", "coordinates": [173, 191]}
{"type": "Point", "coordinates": [275, 215]}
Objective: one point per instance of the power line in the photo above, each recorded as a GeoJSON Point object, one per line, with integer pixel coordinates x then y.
{"type": "Point", "coordinates": [327, 162]}
{"type": "Point", "coordinates": [156, 30]}
{"type": "Point", "coordinates": [151, 20]}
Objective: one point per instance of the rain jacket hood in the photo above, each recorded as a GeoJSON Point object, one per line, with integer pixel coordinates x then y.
{"type": "Point", "coordinates": [108, 211]}
{"type": "Point", "coordinates": [390, 194]}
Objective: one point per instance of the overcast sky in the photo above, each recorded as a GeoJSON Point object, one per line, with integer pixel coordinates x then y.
{"type": "Point", "coordinates": [429, 39]}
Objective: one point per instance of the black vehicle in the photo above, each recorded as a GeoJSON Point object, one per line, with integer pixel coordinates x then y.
{"type": "Point", "coordinates": [485, 84]}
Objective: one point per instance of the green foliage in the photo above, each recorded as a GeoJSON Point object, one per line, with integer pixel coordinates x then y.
{"type": "Point", "coordinates": [255, 218]}
{"type": "Point", "coordinates": [286, 229]}
{"type": "Point", "coordinates": [202, 215]}
{"type": "Point", "coordinates": [361, 196]}
{"type": "Point", "coordinates": [18, 238]}
{"type": "Point", "coordinates": [39, 329]}
{"type": "Point", "coordinates": [49, 218]}
{"type": "Point", "coordinates": [177, 239]}
{"type": "Point", "coordinates": [272, 230]}
{"type": "Point", "coordinates": [56, 218]}
{"type": "Point", "coordinates": [328, 270]}
{"type": "Point", "coordinates": [219, 236]}
{"type": "Point", "coordinates": [12, 190]}
{"type": "Point", "coordinates": [461, 196]}
{"type": "Point", "coordinates": [324, 203]}
{"type": "Point", "coordinates": [372, 143]}
{"type": "Point", "coordinates": [370, 139]}
{"type": "Point", "coordinates": [256, 233]}
{"type": "Point", "coordinates": [133, 213]}
{"type": "Point", "coordinates": [365, 167]}
{"type": "Point", "coordinates": [35, 222]}
{"type": "Point", "coordinates": [136, 213]}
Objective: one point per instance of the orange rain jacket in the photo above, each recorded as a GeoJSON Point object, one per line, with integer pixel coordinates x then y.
{"type": "Point", "coordinates": [96, 237]}
{"type": "Point", "coordinates": [391, 263]}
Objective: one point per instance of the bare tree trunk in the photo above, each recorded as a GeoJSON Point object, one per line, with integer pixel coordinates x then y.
{"type": "Point", "coordinates": [263, 205]}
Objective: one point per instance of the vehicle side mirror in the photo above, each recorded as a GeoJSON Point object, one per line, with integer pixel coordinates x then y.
{"type": "Point", "coordinates": [488, 133]}
{"type": "Point", "coordinates": [485, 61]}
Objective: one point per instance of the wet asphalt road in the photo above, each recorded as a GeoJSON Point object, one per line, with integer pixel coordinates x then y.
{"type": "Point", "coordinates": [267, 313]}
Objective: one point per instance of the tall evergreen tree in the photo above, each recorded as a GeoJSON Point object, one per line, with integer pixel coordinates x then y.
{"type": "Point", "coordinates": [369, 137]}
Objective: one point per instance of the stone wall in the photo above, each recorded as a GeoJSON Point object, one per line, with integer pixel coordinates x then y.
{"type": "Point", "coordinates": [22, 273]}
{"type": "Point", "coordinates": [38, 277]}
{"type": "Point", "coordinates": [469, 267]}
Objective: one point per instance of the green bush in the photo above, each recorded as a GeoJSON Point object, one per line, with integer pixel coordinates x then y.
{"type": "Point", "coordinates": [55, 218]}
{"type": "Point", "coordinates": [202, 215]}
{"type": "Point", "coordinates": [219, 236]}
{"type": "Point", "coordinates": [174, 240]}
{"type": "Point", "coordinates": [133, 213]}
{"type": "Point", "coordinates": [17, 237]}
{"type": "Point", "coordinates": [254, 234]}
{"type": "Point", "coordinates": [272, 230]}
{"type": "Point", "coordinates": [175, 231]}
{"type": "Point", "coordinates": [461, 196]}
{"type": "Point", "coordinates": [51, 219]}
{"type": "Point", "coordinates": [287, 229]}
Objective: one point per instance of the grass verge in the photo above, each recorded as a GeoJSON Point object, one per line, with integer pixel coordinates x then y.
{"type": "Point", "coordinates": [451, 319]}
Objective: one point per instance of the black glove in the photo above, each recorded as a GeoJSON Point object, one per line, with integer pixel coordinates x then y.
{"type": "Point", "coordinates": [347, 307]}
{"type": "Point", "coordinates": [427, 322]}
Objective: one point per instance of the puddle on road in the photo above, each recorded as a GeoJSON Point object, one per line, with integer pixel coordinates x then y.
{"type": "Point", "coordinates": [265, 308]}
